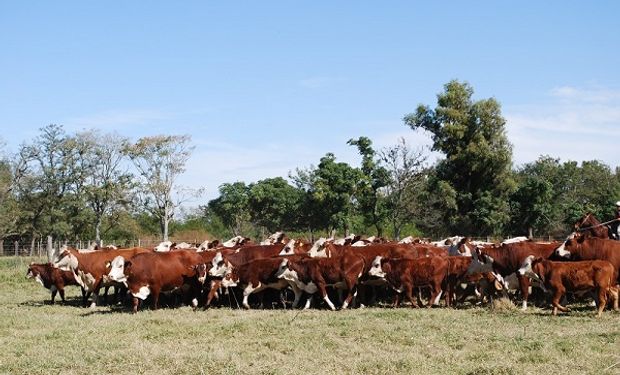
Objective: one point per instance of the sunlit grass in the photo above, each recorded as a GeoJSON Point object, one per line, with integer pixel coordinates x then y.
{"type": "Point", "coordinates": [38, 338]}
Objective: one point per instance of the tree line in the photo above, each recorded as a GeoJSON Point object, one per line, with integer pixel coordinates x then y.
{"type": "Point", "coordinates": [95, 185]}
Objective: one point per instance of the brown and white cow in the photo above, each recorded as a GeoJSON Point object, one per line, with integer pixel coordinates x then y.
{"type": "Point", "coordinates": [581, 247]}
{"type": "Point", "coordinates": [560, 277]}
{"type": "Point", "coordinates": [89, 269]}
{"type": "Point", "coordinates": [53, 279]}
{"type": "Point", "coordinates": [316, 274]}
{"type": "Point", "coordinates": [156, 272]}
{"type": "Point", "coordinates": [403, 275]}
{"type": "Point", "coordinates": [507, 259]}
{"type": "Point", "coordinates": [224, 260]}
{"type": "Point", "coordinates": [256, 276]}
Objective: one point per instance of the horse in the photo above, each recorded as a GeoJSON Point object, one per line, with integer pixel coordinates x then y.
{"type": "Point", "coordinates": [590, 226]}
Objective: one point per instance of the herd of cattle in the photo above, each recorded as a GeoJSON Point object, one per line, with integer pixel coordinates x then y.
{"type": "Point", "coordinates": [345, 272]}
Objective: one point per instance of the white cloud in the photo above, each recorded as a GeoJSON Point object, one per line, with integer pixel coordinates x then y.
{"type": "Point", "coordinates": [576, 124]}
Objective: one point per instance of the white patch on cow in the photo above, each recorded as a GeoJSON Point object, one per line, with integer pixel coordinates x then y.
{"type": "Point", "coordinates": [318, 248]}
{"type": "Point", "coordinates": [438, 298]}
{"type": "Point", "coordinates": [39, 280]}
{"type": "Point", "coordinates": [376, 270]}
{"type": "Point", "coordinates": [204, 246]}
{"type": "Point", "coordinates": [515, 240]}
{"type": "Point", "coordinates": [526, 267]}
{"type": "Point", "coordinates": [308, 303]}
{"type": "Point", "coordinates": [371, 239]}
{"type": "Point", "coordinates": [408, 239]}
{"type": "Point", "coordinates": [524, 305]}
{"type": "Point", "coordinates": [142, 293]}
{"type": "Point", "coordinates": [233, 241]}
{"type": "Point", "coordinates": [86, 280]}
{"type": "Point", "coordinates": [117, 270]}
{"type": "Point", "coordinates": [184, 245]}
{"type": "Point", "coordinates": [163, 246]}
{"type": "Point", "coordinates": [219, 267]}
{"type": "Point", "coordinates": [288, 249]}
{"type": "Point", "coordinates": [194, 303]}
{"type": "Point", "coordinates": [329, 302]}
{"type": "Point", "coordinates": [360, 243]}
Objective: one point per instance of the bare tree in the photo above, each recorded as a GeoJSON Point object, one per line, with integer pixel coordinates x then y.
{"type": "Point", "coordinates": [107, 184]}
{"type": "Point", "coordinates": [160, 160]}
{"type": "Point", "coordinates": [407, 176]}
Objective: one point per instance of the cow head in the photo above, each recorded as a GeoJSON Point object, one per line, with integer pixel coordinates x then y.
{"type": "Point", "coordinates": [201, 272]}
{"type": "Point", "coordinates": [570, 241]}
{"type": "Point", "coordinates": [376, 269]}
{"type": "Point", "coordinates": [116, 269]}
{"type": "Point", "coordinates": [235, 241]}
{"type": "Point", "coordinates": [163, 246]}
{"type": "Point", "coordinates": [289, 248]}
{"type": "Point", "coordinates": [31, 272]}
{"type": "Point", "coordinates": [219, 267]}
{"type": "Point", "coordinates": [480, 263]}
{"type": "Point", "coordinates": [203, 246]}
{"type": "Point", "coordinates": [318, 248]}
{"type": "Point", "coordinates": [284, 271]}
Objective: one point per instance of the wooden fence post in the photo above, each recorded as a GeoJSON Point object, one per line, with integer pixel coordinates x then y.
{"type": "Point", "coordinates": [50, 249]}
{"type": "Point", "coordinates": [16, 243]}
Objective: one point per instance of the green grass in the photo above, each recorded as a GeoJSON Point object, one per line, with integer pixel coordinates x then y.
{"type": "Point", "coordinates": [38, 338]}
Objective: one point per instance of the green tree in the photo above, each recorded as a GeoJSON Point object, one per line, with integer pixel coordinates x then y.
{"type": "Point", "coordinates": [478, 158]}
{"type": "Point", "coordinates": [370, 198]}
{"type": "Point", "coordinates": [274, 204]}
{"type": "Point", "coordinates": [232, 206]}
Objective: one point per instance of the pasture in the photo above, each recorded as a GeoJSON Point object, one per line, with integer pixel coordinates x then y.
{"type": "Point", "coordinates": [39, 338]}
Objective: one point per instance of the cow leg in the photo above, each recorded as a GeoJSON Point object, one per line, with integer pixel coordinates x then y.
{"type": "Point", "coordinates": [212, 294]}
{"type": "Point", "coordinates": [524, 284]}
{"type": "Point", "coordinates": [53, 294]}
{"type": "Point", "coordinates": [155, 295]}
{"type": "Point", "coordinates": [326, 297]}
{"type": "Point", "coordinates": [409, 294]}
{"type": "Point", "coordinates": [435, 296]}
{"type": "Point", "coordinates": [602, 301]}
{"type": "Point", "coordinates": [105, 294]}
{"type": "Point", "coordinates": [297, 293]}
{"type": "Point", "coordinates": [613, 293]}
{"type": "Point", "coordinates": [135, 303]}
{"type": "Point", "coordinates": [308, 302]}
{"type": "Point", "coordinates": [249, 290]}
{"type": "Point", "coordinates": [557, 296]}
{"type": "Point", "coordinates": [61, 291]}
{"type": "Point", "coordinates": [396, 301]}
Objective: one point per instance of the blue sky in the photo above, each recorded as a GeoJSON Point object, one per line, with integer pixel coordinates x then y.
{"type": "Point", "coordinates": [266, 87]}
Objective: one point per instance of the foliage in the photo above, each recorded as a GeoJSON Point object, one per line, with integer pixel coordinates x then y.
{"type": "Point", "coordinates": [478, 158]}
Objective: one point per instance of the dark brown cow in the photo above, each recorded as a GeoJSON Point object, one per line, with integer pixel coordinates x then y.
{"type": "Point", "coordinates": [507, 258]}
{"type": "Point", "coordinates": [155, 272]}
{"type": "Point", "coordinates": [90, 269]}
{"type": "Point", "coordinates": [255, 276]}
{"type": "Point", "coordinates": [53, 279]}
{"type": "Point", "coordinates": [560, 277]}
{"type": "Point", "coordinates": [403, 275]}
{"type": "Point", "coordinates": [590, 248]}
{"type": "Point", "coordinates": [315, 274]}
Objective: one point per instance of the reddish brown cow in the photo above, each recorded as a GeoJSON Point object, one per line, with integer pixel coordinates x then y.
{"type": "Point", "coordinates": [53, 279]}
{"type": "Point", "coordinates": [560, 277]}
{"type": "Point", "coordinates": [312, 274]}
{"type": "Point", "coordinates": [403, 275]}
{"type": "Point", "coordinates": [257, 275]}
{"type": "Point", "coordinates": [508, 258]}
{"type": "Point", "coordinates": [156, 272]}
{"type": "Point", "coordinates": [90, 269]}
{"type": "Point", "coordinates": [591, 248]}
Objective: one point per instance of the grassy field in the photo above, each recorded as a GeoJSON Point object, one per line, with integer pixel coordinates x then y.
{"type": "Point", "coordinates": [38, 338]}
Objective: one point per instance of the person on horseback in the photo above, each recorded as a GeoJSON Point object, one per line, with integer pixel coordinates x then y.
{"type": "Point", "coordinates": [615, 226]}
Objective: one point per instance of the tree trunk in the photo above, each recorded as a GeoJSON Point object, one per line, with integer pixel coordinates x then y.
{"type": "Point", "coordinates": [98, 232]}
{"type": "Point", "coordinates": [530, 233]}
{"type": "Point", "coordinates": [165, 229]}
{"type": "Point", "coordinates": [32, 243]}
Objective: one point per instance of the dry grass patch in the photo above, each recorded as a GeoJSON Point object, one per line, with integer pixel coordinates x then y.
{"type": "Point", "coordinates": [37, 338]}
